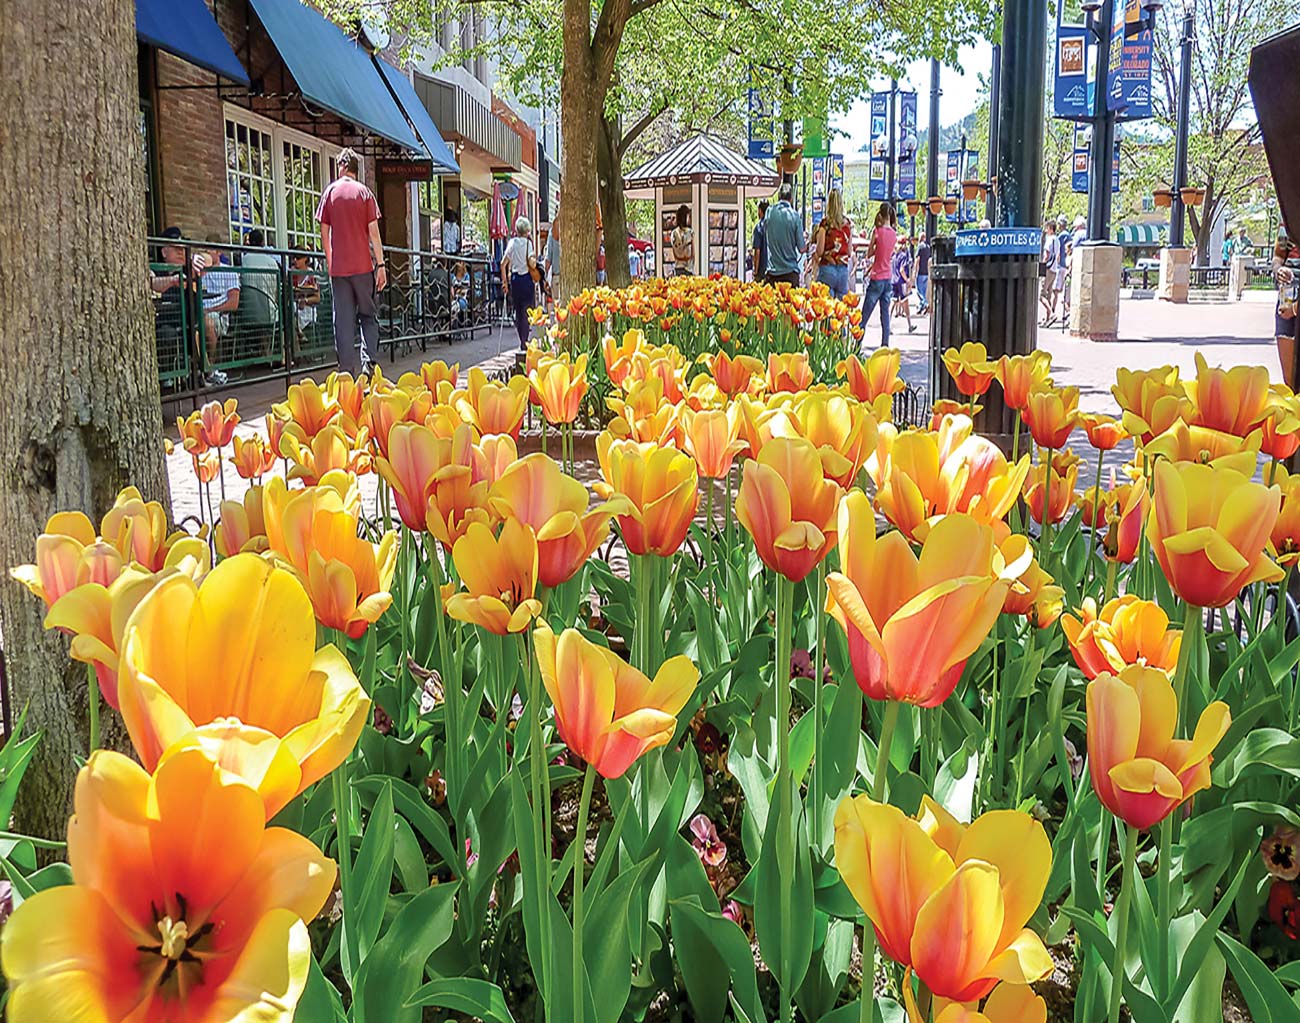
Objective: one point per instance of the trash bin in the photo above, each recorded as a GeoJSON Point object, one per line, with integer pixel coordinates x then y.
{"type": "Point", "coordinates": [991, 298]}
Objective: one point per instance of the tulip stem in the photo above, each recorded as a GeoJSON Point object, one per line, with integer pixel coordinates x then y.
{"type": "Point", "coordinates": [1164, 914]}
{"type": "Point", "coordinates": [707, 538]}
{"type": "Point", "coordinates": [580, 869]}
{"type": "Point", "coordinates": [1192, 624]}
{"type": "Point", "coordinates": [814, 781]}
{"type": "Point", "coordinates": [451, 691]}
{"type": "Point", "coordinates": [343, 827]}
{"type": "Point", "coordinates": [1111, 568]}
{"type": "Point", "coordinates": [1096, 506]}
{"type": "Point", "coordinates": [1045, 536]}
{"type": "Point", "coordinates": [784, 783]}
{"type": "Point", "coordinates": [1122, 910]}
{"type": "Point", "coordinates": [93, 706]}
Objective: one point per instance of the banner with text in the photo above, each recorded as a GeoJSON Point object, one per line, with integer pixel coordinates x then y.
{"type": "Point", "coordinates": [1135, 66]}
{"type": "Point", "coordinates": [959, 170]}
{"type": "Point", "coordinates": [877, 185]}
{"type": "Point", "coordinates": [1079, 174]}
{"type": "Point", "coordinates": [827, 174]}
{"type": "Point", "coordinates": [907, 145]}
{"type": "Point", "coordinates": [1072, 93]}
{"type": "Point", "coordinates": [762, 123]}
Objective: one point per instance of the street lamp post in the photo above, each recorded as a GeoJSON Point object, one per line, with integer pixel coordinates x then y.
{"type": "Point", "coordinates": [1178, 211]}
{"type": "Point", "coordinates": [995, 99]}
{"type": "Point", "coordinates": [932, 155]}
{"type": "Point", "coordinates": [1101, 19]}
{"type": "Point", "coordinates": [893, 150]}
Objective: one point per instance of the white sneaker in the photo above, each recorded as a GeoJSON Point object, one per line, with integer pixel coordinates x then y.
{"type": "Point", "coordinates": [217, 378]}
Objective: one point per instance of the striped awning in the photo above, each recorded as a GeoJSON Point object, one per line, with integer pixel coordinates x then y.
{"type": "Point", "coordinates": [702, 159]}
{"type": "Point", "coordinates": [1142, 236]}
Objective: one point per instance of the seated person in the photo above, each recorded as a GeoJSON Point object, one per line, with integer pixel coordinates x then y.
{"type": "Point", "coordinates": [220, 299]}
{"type": "Point", "coordinates": [266, 265]}
{"type": "Point", "coordinates": [460, 292]}
{"type": "Point", "coordinates": [306, 292]}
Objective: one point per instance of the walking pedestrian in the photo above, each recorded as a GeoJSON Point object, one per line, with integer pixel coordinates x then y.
{"type": "Point", "coordinates": [900, 274]}
{"type": "Point", "coordinates": [880, 256]}
{"type": "Point", "coordinates": [834, 246]}
{"type": "Point", "coordinates": [354, 256]}
{"type": "Point", "coordinates": [519, 274]}
{"type": "Point", "coordinates": [759, 243]}
{"type": "Point", "coordinates": [1051, 256]}
{"type": "Point", "coordinates": [923, 276]}
{"type": "Point", "coordinates": [783, 230]}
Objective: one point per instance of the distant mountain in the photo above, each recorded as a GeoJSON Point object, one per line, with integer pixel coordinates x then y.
{"type": "Point", "coordinates": [950, 135]}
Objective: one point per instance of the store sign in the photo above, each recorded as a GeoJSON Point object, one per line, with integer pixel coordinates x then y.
{"type": "Point", "coordinates": [907, 145]}
{"type": "Point", "coordinates": [999, 241]}
{"type": "Point", "coordinates": [877, 185]}
{"type": "Point", "coordinates": [404, 170]}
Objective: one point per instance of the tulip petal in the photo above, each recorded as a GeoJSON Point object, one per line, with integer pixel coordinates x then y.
{"type": "Point", "coordinates": [1024, 961]}
{"type": "Point", "coordinates": [1015, 1003]}
{"type": "Point", "coordinates": [957, 931]}
{"type": "Point", "coordinates": [1017, 845]}
{"type": "Point", "coordinates": [1143, 775]}
{"type": "Point", "coordinates": [256, 756]}
{"type": "Point", "coordinates": [269, 976]}
{"type": "Point", "coordinates": [331, 729]}
{"type": "Point", "coordinates": [1212, 727]}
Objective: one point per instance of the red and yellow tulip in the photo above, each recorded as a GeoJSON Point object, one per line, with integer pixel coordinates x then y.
{"type": "Point", "coordinates": [1128, 630]}
{"type": "Point", "coordinates": [1019, 375]}
{"type": "Point", "coordinates": [500, 577]}
{"type": "Point", "coordinates": [970, 368]}
{"type": "Point", "coordinates": [558, 386]}
{"type": "Point", "coordinates": [1051, 413]}
{"type": "Point", "coordinates": [1232, 400]}
{"type": "Point", "coordinates": [662, 489]}
{"type": "Point", "coordinates": [877, 377]}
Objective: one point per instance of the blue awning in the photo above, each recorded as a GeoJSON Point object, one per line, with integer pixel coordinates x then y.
{"type": "Point", "coordinates": [187, 29]}
{"type": "Point", "coordinates": [332, 71]}
{"type": "Point", "coordinates": [444, 162]}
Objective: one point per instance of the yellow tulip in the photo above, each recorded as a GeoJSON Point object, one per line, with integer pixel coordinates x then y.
{"type": "Point", "coordinates": [712, 438]}
{"type": "Point", "coordinates": [1151, 400]}
{"type": "Point", "coordinates": [242, 526]}
{"type": "Point", "coordinates": [231, 666]}
{"type": "Point", "coordinates": [842, 429]}
{"type": "Point", "coordinates": [1128, 630]}
{"type": "Point", "coordinates": [662, 489]}
{"type": "Point", "coordinates": [492, 407]}
{"type": "Point", "coordinates": [138, 529]}
{"type": "Point", "coordinates": [500, 577]}
{"type": "Point", "coordinates": [970, 368]}
{"type": "Point", "coordinates": [183, 906]}
{"type": "Point", "coordinates": [558, 386]}
{"type": "Point", "coordinates": [1232, 400]}
{"type": "Point", "coordinates": [949, 900]}
{"type": "Point", "coordinates": [1209, 527]}
{"type": "Point", "coordinates": [1021, 374]}
{"type": "Point", "coordinates": [877, 377]}
{"type": "Point", "coordinates": [606, 711]}
{"type": "Point", "coordinates": [309, 407]}
{"type": "Point", "coordinates": [68, 555]}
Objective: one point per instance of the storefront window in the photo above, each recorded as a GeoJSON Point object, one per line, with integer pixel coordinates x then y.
{"type": "Point", "coordinates": [250, 180]}
{"type": "Point", "coordinates": [303, 185]}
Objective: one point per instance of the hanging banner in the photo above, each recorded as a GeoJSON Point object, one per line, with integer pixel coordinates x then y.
{"type": "Point", "coordinates": [1135, 66]}
{"type": "Point", "coordinates": [827, 174]}
{"type": "Point", "coordinates": [907, 146]}
{"type": "Point", "coordinates": [1079, 174]}
{"type": "Point", "coordinates": [967, 211]}
{"type": "Point", "coordinates": [816, 142]}
{"type": "Point", "coordinates": [1071, 95]}
{"type": "Point", "coordinates": [762, 123]}
{"type": "Point", "coordinates": [1115, 66]}
{"type": "Point", "coordinates": [877, 186]}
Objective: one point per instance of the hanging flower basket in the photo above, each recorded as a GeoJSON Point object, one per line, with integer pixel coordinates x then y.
{"type": "Point", "coordinates": [913, 207]}
{"type": "Point", "coordinates": [1164, 197]}
{"type": "Point", "coordinates": [1192, 196]}
{"type": "Point", "coordinates": [936, 203]}
{"type": "Point", "coordinates": [971, 188]}
{"type": "Point", "coordinates": [950, 206]}
{"type": "Point", "coordinates": [790, 159]}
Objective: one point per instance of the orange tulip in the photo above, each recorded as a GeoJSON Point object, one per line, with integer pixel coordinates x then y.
{"type": "Point", "coordinates": [308, 408]}
{"type": "Point", "coordinates": [329, 450]}
{"type": "Point", "coordinates": [1140, 772]}
{"type": "Point", "coordinates": [138, 529]}
{"type": "Point", "coordinates": [1009, 1003]}
{"type": "Point", "coordinates": [945, 407]}
{"type": "Point", "coordinates": [788, 372]}
{"type": "Point", "coordinates": [713, 439]}
{"type": "Point", "coordinates": [183, 906]}
{"type": "Point", "coordinates": [350, 394]}
{"type": "Point", "coordinates": [346, 577]}
{"type": "Point", "coordinates": [1033, 593]}
{"type": "Point", "coordinates": [559, 386]}
{"type": "Point", "coordinates": [242, 527]}
{"type": "Point", "coordinates": [913, 623]}
{"type": "Point", "coordinates": [606, 711]}
{"type": "Point", "coordinates": [434, 374]}
{"type": "Point", "coordinates": [1127, 631]}
{"type": "Point", "coordinates": [662, 488]}
{"type": "Point", "coordinates": [1281, 424]}
{"type": "Point", "coordinates": [1285, 536]}
{"type": "Point", "coordinates": [618, 355]}
{"type": "Point", "coordinates": [384, 410]}
{"type": "Point", "coordinates": [842, 429]}
{"type": "Point", "coordinates": [947, 899]}
{"type": "Point", "coordinates": [218, 422]}
{"type": "Point", "coordinates": [492, 407]}
{"type": "Point", "coordinates": [788, 506]}
{"type": "Point", "coordinates": [459, 494]}
{"type": "Point", "coordinates": [1021, 374]}
{"type": "Point", "coordinates": [877, 377]}
{"type": "Point", "coordinates": [231, 667]}
{"type": "Point", "coordinates": [193, 440]}
{"type": "Point", "coordinates": [1050, 493]}
{"type": "Point", "coordinates": [500, 577]}
{"type": "Point", "coordinates": [1052, 413]}
{"type": "Point", "coordinates": [970, 368]}
{"type": "Point", "coordinates": [733, 375]}
{"type": "Point", "coordinates": [1150, 400]}
{"type": "Point", "coordinates": [1208, 529]}
{"type": "Point", "coordinates": [555, 506]}
{"type": "Point", "coordinates": [1234, 400]}
{"type": "Point", "coordinates": [922, 475]}
{"type": "Point", "coordinates": [253, 457]}
{"type": "Point", "coordinates": [414, 456]}
{"type": "Point", "coordinates": [1183, 443]}
{"type": "Point", "coordinates": [498, 452]}
{"type": "Point", "coordinates": [1104, 432]}
{"type": "Point", "coordinates": [68, 555]}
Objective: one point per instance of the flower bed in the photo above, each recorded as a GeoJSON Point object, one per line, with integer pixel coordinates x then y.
{"type": "Point", "coordinates": [436, 755]}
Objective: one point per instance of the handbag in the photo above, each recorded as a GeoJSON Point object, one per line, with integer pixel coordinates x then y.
{"type": "Point", "coordinates": [1288, 298]}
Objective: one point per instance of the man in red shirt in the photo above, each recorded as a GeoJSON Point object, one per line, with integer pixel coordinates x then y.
{"type": "Point", "coordinates": [349, 233]}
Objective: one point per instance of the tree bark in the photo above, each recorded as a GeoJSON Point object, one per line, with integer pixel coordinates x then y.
{"type": "Point", "coordinates": [613, 206]}
{"type": "Point", "coordinates": [78, 365]}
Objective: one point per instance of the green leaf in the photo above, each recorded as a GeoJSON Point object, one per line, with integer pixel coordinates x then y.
{"type": "Point", "coordinates": [1268, 748]}
{"type": "Point", "coordinates": [408, 857]}
{"type": "Point", "coordinates": [1197, 947]}
{"type": "Point", "coordinates": [714, 955]}
{"type": "Point", "coordinates": [372, 874]}
{"type": "Point", "coordinates": [954, 786]}
{"type": "Point", "coordinates": [392, 971]}
{"type": "Point", "coordinates": [465, 994]}
{"type": "Point", "coordinates": [1203, 1001]}
{"type": "Point", "coordinates": [785, 940]}
{"type": "Point", "coordinates": [536, 926]}
{"type": "Point", "coordinates": [421, 816]}
{"type": "Point", "coordinates": [319, 1003]}
{"type": "Point", "coordinates": [606, 949]}
{"type": "Point", "coordinates": [1265, 996]}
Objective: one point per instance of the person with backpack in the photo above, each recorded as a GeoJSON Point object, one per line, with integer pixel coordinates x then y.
{"type": "Point", "coordinates": [902, 278]}
{"type": "Point", "coordinates": [1051, 264]}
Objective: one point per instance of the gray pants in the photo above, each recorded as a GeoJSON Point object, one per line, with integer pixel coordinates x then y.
{"type": "Point", "coordinates": [354, 303]}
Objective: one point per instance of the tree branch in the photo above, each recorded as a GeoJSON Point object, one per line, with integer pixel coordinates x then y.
{"type": "Point", "coordinates": [638, 126]}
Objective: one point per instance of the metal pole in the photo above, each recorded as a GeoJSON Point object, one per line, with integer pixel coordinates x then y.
{"type": "Point", "coordinates": [1019, 167]}
{"type": "Point", "coordinates": [1177, 212]}
{"type": "Point", "coordinates": [1102, 149]}
{"type": "Point", "coordinates": [932, 155]}
{"type": "Point", "coordinates": [893, 151]}
{"type": "Point", "coordinates": [995, 94]}
{"type": "Point", "coordinates": [788, 126]}
{"type": "Point", "coordinates": [961, 188]}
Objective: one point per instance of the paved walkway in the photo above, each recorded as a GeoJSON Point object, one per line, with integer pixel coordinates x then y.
{"type": "Point", "coordinates": [1153, 333]}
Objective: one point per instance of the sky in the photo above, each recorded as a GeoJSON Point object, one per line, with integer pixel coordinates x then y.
{"type": "Point", "coordinates": [960, 96]}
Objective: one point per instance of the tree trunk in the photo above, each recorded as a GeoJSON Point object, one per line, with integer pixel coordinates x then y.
{"type": "Point", "coordinates": [78, 365]}
{"type": "Point", "coordinates": [609, 169]}
{"type": "Point", "coordinates": [580, 108]}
